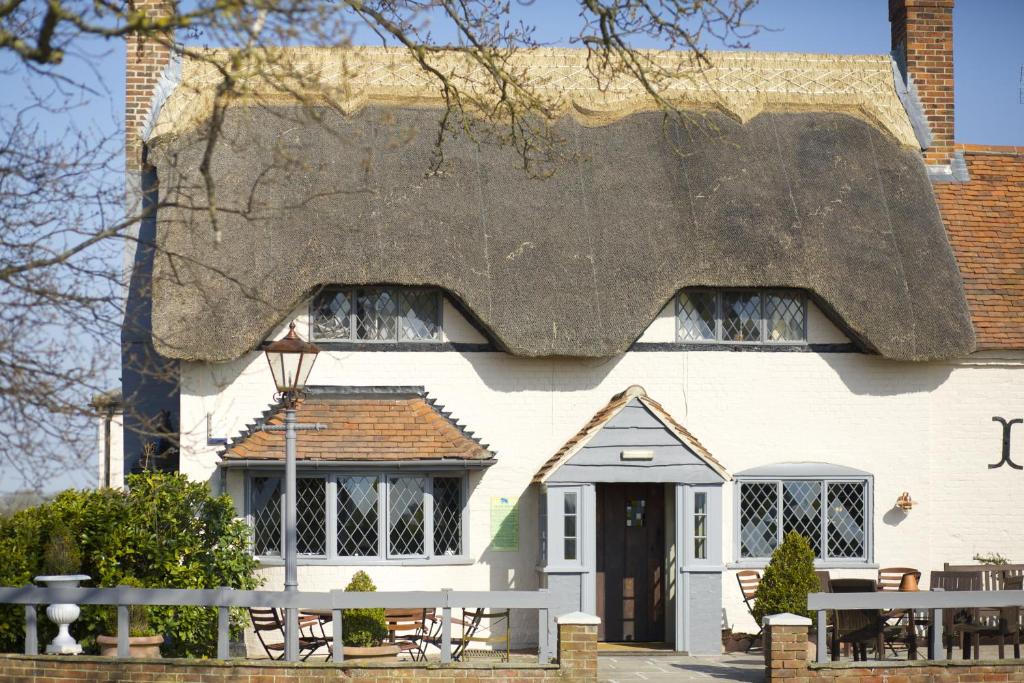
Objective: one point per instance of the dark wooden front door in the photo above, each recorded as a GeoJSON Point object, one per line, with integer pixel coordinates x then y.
{"type": "Point", "coordinates": [630, 562]}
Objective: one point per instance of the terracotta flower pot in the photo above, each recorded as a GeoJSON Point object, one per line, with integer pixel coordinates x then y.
{"type": "Point", "coordinates": [139, 647]}
{"type": "Point", "coordinates": [370, 654]}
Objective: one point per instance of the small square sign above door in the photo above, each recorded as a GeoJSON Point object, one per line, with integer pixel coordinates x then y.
{"type": "Point", "coordinates": [635, 512]}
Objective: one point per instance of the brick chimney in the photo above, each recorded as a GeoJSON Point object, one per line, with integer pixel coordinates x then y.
{"type": "Point", "coordinates": [922, 43]}
{"type": "Point", "coordinates": [145, 60]}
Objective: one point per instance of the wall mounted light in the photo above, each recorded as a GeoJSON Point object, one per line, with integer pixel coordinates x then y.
{"type": "Point", "coordinates": [905, 502]}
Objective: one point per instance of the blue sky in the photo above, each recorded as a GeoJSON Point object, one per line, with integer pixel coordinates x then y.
{"type": "Point", "coordinates": [989, 54]}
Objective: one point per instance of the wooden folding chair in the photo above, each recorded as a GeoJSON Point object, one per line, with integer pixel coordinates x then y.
{"type": "Point", "coordinates": [409, 630]}
{"type": "Point", "coordinates": [961, 623]}
{"type": "Point", "coordinates": [889, 578]}
{"type": "Point", "coordinates": [267, 619]}
{"type": "Point", "coordinates": [749, 582]}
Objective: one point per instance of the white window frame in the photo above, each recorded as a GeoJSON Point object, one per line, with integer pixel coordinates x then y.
{"type": "Point", "coordinates": [352, 339]}
{"type": "Point", "coordinates": [824, 560]}
{"type": "Point", "coordinates": [383, 556]}
{"type": "Point", "coordinates": [555, 553]}
{"type": "Point", "coordinates": [762, 294]}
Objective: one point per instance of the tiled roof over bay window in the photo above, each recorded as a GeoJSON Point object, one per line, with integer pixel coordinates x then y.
{"type": "Point", "coordinates": [364, 424]}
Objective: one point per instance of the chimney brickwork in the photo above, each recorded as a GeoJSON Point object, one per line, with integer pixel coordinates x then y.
{"type": "Point", "coordinates": [145, 61]}
{"type": "Point", "coordinates": [922, 36]}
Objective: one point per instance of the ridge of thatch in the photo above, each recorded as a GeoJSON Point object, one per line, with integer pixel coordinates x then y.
{"type": "Point", "coordinates": [568, 81]}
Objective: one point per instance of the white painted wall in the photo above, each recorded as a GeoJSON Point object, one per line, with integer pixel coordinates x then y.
{"type": "Point", "coordinates": [925, 428]}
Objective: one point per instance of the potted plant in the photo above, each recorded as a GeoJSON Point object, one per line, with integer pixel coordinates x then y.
{"type": "Point", "coordinates": [62, 562]}
{"type": "Point", "coordinates": [788, 579]}
{"type": "Point", "coordinates": [366, 629]}
{"type": "Point", "coordinates": [143, 641]}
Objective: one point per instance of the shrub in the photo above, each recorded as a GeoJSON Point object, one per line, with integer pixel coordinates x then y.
{"type": "Point", "coordinates": [164, 531]}
{"type": "Point", "coordinates": [363, 627]}
{"type": "Point", "coordinates": [138, 615]}
{"type": "Point", "coordinates": [787, 579]}
{"type": "Point", "coordinates": [61, 554]}
{"type": "Point", "coordinates": [991, 558]}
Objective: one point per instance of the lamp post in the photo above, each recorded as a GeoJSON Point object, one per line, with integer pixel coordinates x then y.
{"type": "Point", "coordinates": [291, 360]}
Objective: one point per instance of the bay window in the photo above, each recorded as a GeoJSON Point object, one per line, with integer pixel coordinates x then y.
{"type": "Point", "coordinates": [362, 516]}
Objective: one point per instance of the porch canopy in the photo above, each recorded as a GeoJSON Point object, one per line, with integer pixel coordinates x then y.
{"type": "Point", "coordinates": [632, 438]}
{"type": "Point", "coordinates": [392, 427]}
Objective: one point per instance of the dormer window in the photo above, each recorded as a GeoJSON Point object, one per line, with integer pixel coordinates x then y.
{"type": "Point", "coordinates": [376, 314]}
{"type": "Point", "coordinates": [743, 316]}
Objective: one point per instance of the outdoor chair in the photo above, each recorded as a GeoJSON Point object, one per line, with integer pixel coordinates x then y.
{"type": "Point", "coordinates": [474, 631]}
{"type": "Point", "coordinates": [890, 578]}
{"type": "Point", "coordinates": [268, 619]}
{"type": "Point", "coordinates": [899, 627]}
{"type": "Point", "coordinates": [409, 630]}
{"type": "Point", "coordinates": [963, 624]}
{"type": "Point", "coordinates": [857, 627]}
{"type": "Point", "coordinates": [749, 582]}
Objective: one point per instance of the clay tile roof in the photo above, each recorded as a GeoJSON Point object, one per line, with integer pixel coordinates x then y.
{"type": "Point", "coordinates": [371, 424]}
{"type": "Point", "coordinates": [985, 222]}
{"type": "Point", "coordinates": [604, 416]}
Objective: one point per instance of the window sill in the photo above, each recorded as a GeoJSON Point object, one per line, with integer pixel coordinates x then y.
{"type": "Point", "coordinates": [563, 569]}
{"type": "Point", "coordinates": [451, 561]}
{"type": "Point", "coordinates": [830, 564]}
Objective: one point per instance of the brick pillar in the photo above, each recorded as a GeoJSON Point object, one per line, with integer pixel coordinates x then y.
{"type": "Point", "coordinates": [785, 646]}
{"type": "Point", "coordinates": [922, 37]}
{"type": "Point", "coordinates": [146, 56]}
{"type": "Point", "coordinates": [577, 646]}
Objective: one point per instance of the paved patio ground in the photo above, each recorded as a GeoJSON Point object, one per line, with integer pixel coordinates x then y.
{"type": "Point", "coordinates": [612, 668]}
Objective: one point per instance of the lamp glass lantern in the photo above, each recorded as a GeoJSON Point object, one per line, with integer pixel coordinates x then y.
{"type": "Point", "coordinates": [291, 359]}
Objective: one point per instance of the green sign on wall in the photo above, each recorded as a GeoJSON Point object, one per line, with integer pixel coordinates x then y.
{"type": "Point", "coordinates": [504, 524]}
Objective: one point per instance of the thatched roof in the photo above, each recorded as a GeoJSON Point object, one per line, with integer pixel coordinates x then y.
{"type": "Point", "coordinates": [576, 264]}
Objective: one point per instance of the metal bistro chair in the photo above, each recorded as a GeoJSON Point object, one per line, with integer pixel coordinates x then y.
{"type": "Point", "coordinates": [749, 582]}
{"type": "Point", "coordinates": [265, 619]}
{"type": "Point", "coordinates": [473, 631]}
{"type": "Point", "coordinates": [857, 626]}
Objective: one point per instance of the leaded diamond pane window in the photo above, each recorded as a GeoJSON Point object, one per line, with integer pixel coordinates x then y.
{"type": "Point", "coordinates": [265, 501]}
{"type": "Point", "coordinates": [311, 516]}
{"type": "Point", "coordinates": [447, 516]}
{"type": "Point", "coordinates": [832, 515]}
{"type": "Point", "coordinates": [357, 517]}
{"type": "Point", "coordinates": [784, 317]}
{"type": "Point", "coordinates": [377, 314]}
{"type": "Point", "coordinates": [846, 519]}
{"type": "Point", "coordinates": [697, 311]}
{"type": "Point", "coordinates": [801, 511]}
{"type": "Point", "coordinates": [405, 515]}
{"type": "Point", "coordinates": [741, 317]}
{"type": "Point", "coordinates": [331, 315]}
{"type": "Point", "coordinates": [375, 516]}
{"type": "Point", "coordinates": [759, 512]}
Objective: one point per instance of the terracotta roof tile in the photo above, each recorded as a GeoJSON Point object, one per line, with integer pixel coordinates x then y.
{"type": "Point", "coordinates": [363, 426]}
{"type": "Point", "coordinates": [985, 222]}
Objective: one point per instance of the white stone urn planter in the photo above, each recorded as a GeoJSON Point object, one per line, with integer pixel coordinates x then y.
{"type": "Point", "coordinates": [63, 614]}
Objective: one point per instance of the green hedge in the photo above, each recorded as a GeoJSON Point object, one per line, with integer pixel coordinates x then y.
{"type": "Point", "coordinates": [164, 531]}
{"type": "Point", "coordinates": [788, 579]}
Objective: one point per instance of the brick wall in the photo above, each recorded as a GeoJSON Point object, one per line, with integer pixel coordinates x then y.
{"type": "Point", "coordinates": [145, 59]}
{"type": "Point", "coordinates": [786, 661]}
{"type": "Point", "coordinates": [922, 30]}
{"type": "Point", "coordinates": [577, 663]}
